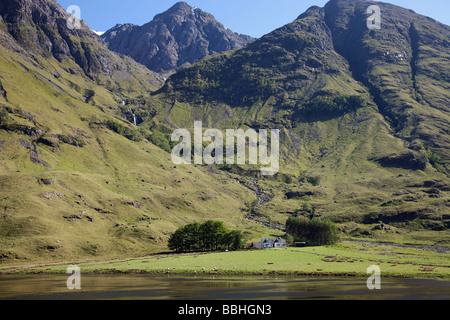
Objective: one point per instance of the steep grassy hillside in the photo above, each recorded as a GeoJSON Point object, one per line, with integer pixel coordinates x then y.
{"type": "Point", "coordinates": [355, 147]}
{"type": "Point", "coordinates": [405, 65]}
{"type": "Point", "coordinates": [77, 178]}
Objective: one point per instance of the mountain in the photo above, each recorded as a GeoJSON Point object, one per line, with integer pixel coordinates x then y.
{"type": "Point", "coordinates": [40, 27]}
{"type": "Point", "coordinates": [78, 177]}
{"type": "Point", "coordinates": [307, 67]}
{"type": "Point", "coordinates": [405, 67]}
{"type": "Point", "coordinates": [363, 114]}
{"type": "Point", "coordinates": [85, 133]}
{"type": "Point", "coordinates": [179, 36]}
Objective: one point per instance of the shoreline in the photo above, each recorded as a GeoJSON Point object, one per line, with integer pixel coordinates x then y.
{"type": "Point", "coordinates": [350, 259]}
{"type": "Point", "coordinates": [238, 273]}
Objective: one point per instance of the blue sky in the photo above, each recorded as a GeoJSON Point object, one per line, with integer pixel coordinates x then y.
{"type": "Point", "coordinates": [252, 17]}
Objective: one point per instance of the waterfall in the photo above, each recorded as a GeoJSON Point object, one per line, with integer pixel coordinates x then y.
{"type": "Point", "coordinates": [132, 113]}
{"type": "Point", "coordinates": [134, 116]}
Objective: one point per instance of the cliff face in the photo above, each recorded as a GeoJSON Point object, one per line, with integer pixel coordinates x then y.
{"type": "Point", "coordinates": [183, 34]}
{"type": "Point", "coordinates": [328, 62]}
{"type": "Point", "coordinates": [40, 28]}
{"type": "Point", "coordinates": [405, 65]}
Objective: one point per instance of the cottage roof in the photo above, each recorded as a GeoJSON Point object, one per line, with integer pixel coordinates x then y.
{"type": "Point", "coordinates": [273, 240]}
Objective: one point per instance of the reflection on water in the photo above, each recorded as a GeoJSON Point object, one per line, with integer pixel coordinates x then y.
{"type": "Point", "coordinates": [218, 287]}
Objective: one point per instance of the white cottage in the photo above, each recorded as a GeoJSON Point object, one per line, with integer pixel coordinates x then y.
{"type": "Point", "coordinates": [273, 243]}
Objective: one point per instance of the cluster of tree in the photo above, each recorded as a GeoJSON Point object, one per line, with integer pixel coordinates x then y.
{"type": "Point", "coordinates": [434, 160]}
{"type": "Point", "coordinates": [131, 134]}
{"type": "Point", "coordinates": [331, 106]}
{"type": "Point", "coordinates": [208, 236]}
{"type": "Point", "coordinates": [162, 140]}
{"type": "Point", "coordinates": [312, 231]}
{"type": "Point", "coordinates": [157, 137]}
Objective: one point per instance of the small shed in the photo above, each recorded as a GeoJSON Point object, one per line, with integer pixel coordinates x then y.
{"type": "Point", "coordinates": [300, 244]}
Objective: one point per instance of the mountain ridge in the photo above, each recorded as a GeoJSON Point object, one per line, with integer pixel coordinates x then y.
{"type": "Point", "coordinates": [178, 36]}
{"type": "Point", "coordinates": [85, 135]}
{"type": "Point", "coordinates": [346, 102]}
{"type": "Point", "coordinates": [405, 63]}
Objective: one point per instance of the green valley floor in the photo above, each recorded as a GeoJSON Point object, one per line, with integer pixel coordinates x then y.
{"type": "Point", "coordinates": [348, 258]}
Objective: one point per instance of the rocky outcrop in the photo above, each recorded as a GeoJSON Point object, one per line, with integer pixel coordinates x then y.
{"type": "Point", "coordinates": [3, 92]}
{"type": "Point", "coordinates": [179, 36]}
{"type": "Point", "coordinates": [409, 160]}
{"type": "Point", "coordinates": [40, 27]}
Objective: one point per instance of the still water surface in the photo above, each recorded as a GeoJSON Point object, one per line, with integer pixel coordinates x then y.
{"type": "Point", "coordinates": [170, 287]}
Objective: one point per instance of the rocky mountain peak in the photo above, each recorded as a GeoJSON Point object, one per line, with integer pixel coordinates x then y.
{"type": "Point", "coordinates": [313, 11]}
{"type": "Point", "coordinates": [180, 6]}
{"type": "Point", "coordinates": [181, 35]}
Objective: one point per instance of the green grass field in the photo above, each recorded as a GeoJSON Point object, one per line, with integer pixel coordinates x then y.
{"type": "Point", "coordinates": [346, 259]}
